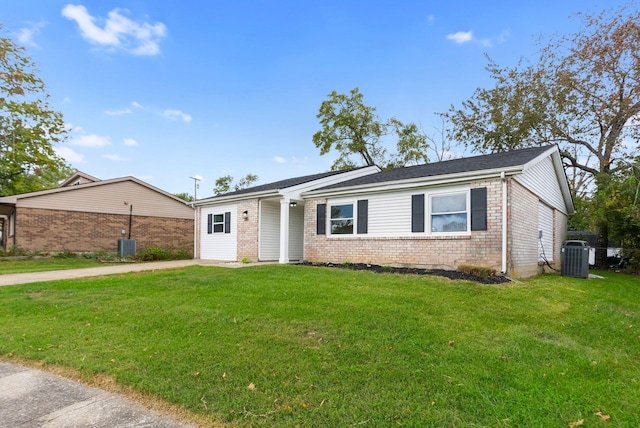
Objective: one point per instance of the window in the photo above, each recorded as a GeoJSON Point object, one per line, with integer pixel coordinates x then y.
{"type": "Point", "coordinates": [219, 223]}
{"type": "Point", "coordinates": [449, 213]}
{"type": "Point", "coordinates": [342, 219]}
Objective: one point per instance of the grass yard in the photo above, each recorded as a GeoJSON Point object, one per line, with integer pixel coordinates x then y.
{"type": "Point", "coordinates": [309, 346]}
{"type": "Point", "coordinates": [43, 264]}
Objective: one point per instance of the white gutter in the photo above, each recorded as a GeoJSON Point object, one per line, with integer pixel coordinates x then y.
{"type": "Point", "coordinates": [504, 222]}
{"type": "Point", "coordinates": [417, 182]}
{"type": "Point", "coordinates": [234, 198]}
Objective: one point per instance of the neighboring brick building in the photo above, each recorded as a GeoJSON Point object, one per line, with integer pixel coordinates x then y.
{"type": "Point", "coordinates": [86, 214]}
{"type": "Point", "coordinates": [506, 211]}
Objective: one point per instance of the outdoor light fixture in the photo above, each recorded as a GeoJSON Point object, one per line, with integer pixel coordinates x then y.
{"type": "Point", "coordinates": [245, 214]}
{"type": "Point", "coordinates": [293, 204]}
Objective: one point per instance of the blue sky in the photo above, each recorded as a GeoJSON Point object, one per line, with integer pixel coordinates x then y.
{"type": "Point", "coordinates": [164, 90]}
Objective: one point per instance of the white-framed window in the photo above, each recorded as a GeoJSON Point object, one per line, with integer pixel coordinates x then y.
{"type": "Point", "coordinates": [218, 223]}
{"type": "Point", "coordinates": [341, 219]}
{"type": "Point", "coordinates": [449, 213]}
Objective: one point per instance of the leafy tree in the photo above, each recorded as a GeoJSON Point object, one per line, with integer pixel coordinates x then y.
{"type": "Point", "coordinates": [225, 184]}
{"type": "Point", "coordinates": [352, 128]}
{"type": "Point", "coordinates": [185, 196]}
{"type": "Point", "coordinates": [28, 126]}
{"type": "Point", "coordinates": [618, 201]}
{"type": "Point", "coordinates": [583, 93]}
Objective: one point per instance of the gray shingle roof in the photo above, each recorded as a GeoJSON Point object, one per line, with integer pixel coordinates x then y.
{"type": "Point", "coordinates": [453, 166]}
{"type": "Point", "coordinates": [278, 185]}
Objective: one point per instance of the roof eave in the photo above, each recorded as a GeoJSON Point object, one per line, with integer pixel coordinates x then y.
{"type": "Point", "coordinates": [235, 198]}
{"type": "Point", "coordinates": [416, 182]}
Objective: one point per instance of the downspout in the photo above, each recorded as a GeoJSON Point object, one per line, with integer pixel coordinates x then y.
{"type": "Point", "coordinates": [195, 231]}
{"type": "Point", "coordinates": [503, 178]}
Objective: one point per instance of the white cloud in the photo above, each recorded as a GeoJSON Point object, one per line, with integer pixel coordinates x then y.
{"type": "Point", "coordinates": [66, 100]}
{"type": "Point", "coordinates": [431, 18]}
{"type": "Point", "coordinates": [118, 112]}
{"type": "Point", "coordinates": [129, 142]}
{"type": "Point", "coordinates": [117, 31]}
{"type": "Point", "coordinates": [461, 37]}
{"type": "Point", "coordinates": [27, 34]}
{"type": "Point", "coordinates": [137, 105]}
{"type": "Point", "coordinates": [176, 114]}
{"type": "Point", "coordinates": [114, 157]}
{"type": "Point", "coordinates": [69, 155]}
{"type": "Point", "coordinates": [90, 140]}
{"type": "Point", "coordinates": [293, 160]}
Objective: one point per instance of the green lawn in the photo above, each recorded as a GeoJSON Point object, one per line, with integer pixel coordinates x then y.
{"type": "Point", "coordinates": [309, 346]}
{"type": "Point", "coordinates": [43, 264]}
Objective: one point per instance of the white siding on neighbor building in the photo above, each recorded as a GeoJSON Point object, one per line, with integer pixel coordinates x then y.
{"type": "Point", "coordinates": [296, 232]}
{"type": "Point", "coordinates": [542, 180]}
{"type": "Point", "coordinates": [545, 225]}
{"type": "Point", "coordinates": [269, 230]}
{"type": "Point", "coordinates": [219, 246]}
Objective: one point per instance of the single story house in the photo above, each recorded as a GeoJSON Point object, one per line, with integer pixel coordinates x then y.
{"type": "Point", "coordinates": [86, 214]}
{"type": "Point", "coordinates": [506, 211]}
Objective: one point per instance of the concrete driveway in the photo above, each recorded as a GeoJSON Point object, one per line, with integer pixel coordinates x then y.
{"type": "Point", "coordinates": [54, 275]}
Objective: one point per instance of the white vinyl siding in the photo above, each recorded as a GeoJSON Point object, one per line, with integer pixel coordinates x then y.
{"type": "Point", "coordinates": [296, 232]}
{"type": "Point", "coordinates": [542, 180]}
{"type": "Point", "coordinates": [269, 230]}
{"type": "Point", "coordinates": [390, 213]}
{"type": "Point", "coordinates": [219, 246]}
{"type": "Point", "coordinates": [545, 226]}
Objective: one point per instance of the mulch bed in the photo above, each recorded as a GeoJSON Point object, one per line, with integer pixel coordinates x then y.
{"type": "Point", "coordinates": [451, 274]}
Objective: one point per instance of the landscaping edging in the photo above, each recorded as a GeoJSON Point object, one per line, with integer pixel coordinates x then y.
{"type": "Point", "coordinates": [451, 274]}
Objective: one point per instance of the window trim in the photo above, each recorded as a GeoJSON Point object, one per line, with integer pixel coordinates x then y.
{"type": "Point", "coordinates": [212, 222]}
{"type": "Point", "coordinates": [354, 215]}
{"type": "Point", "coordinates": [429, 211]}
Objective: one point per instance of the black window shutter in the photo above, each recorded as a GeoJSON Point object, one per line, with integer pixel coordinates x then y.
{"type": "Point", "coordinates": [210, 223]}
{"type": "Point", "coordinates": [227, 222]}
{"type": "Point", "coordinates": [363, 215]}
{"type": "Point", "coordinates": [479, 208]}
{"type": "Point", "coordinates": [321, 219]}
{"type": "Point", "coordinates": [417, 213]}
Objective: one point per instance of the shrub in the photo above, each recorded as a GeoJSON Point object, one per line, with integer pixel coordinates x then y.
{"type": "Point", "coordinates": [13, 251]}
{"type": "Point", "coordinates": [153, 254]}
{"type": "Point", "coordinates": [480, 271]}
{"type": "Point", "coordinates": [65, 255]}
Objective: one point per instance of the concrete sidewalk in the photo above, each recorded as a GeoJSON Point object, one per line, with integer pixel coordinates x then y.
{"type": "Point", "coordinates": [32, 398]}
{"type": "Point", "coordinates": [54, 275]}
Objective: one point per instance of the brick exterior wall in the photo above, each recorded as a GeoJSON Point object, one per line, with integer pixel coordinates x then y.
{"type": "Point", "coordinates": [54, 230]}
{"type": "Point", "coordinates": [248, 238]}
{"type": "Point", "coordinates": [482, 248]}
{"type": "Point", "coordinates": [522, 239]}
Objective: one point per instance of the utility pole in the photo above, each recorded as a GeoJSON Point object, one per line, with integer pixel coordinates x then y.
{"type": "Point", "coordinates": [195, 186]}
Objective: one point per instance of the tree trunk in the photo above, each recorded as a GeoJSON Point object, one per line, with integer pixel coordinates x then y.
{"type": "Point", "coordinates": [602, 242]}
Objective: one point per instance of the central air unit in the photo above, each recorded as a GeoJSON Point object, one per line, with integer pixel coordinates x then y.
{"type": "Point", "coordinates": [575, 259]}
